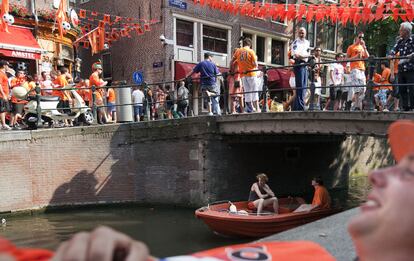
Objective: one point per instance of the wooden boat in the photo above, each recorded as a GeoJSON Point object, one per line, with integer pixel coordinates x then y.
{"type": "Point", "coordinates": [246, 223]}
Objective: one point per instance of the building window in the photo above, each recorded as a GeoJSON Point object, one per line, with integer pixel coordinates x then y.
{"type": "Point", "coordinates": [310, 31]}
{"type": "Point", "coordinates": [329, 36]}
{"type": "Point", "coordinates": [348, 34]}
{"type": "Point", "coordinates": [185, 33]}
{"type": "Point", "coordinates": [260, 48]}
{"type": "Point", "coordinates": [214, 39]}
{"type": "Point", "coordinates": [278, 53]}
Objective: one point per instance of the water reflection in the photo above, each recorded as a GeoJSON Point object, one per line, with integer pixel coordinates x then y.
{"type": "Point", "coordinates": [167, 231]}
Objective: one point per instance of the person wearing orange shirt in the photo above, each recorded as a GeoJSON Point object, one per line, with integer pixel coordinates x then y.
{"type": "Point", "coordinates": [321, 198]}
{"type": "Point", "coordinates": [64, 95]}
{"type": "Point", "coordinates": [18, 104]}
{"type": "Point", "coordinates": [358, 50]}
{"type": "Point", "coordinates": [111, 99]}
{"type": "Point", "coordinates": [4, 94]}
{"type": "Point", "coordinates": [95, 80]}
{"type": "Point", "coordinates": [381, 92]}
{"type": "Point", "coordinates": [246, 59]}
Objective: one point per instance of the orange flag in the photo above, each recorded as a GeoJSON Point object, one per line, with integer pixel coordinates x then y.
{"type": "Point", "coordinates": [82, 13]}
{"type": "Point", "coordinates": [93, 42]}
{"type": "Point", "coordinates": [101, 44]}
{"type": "Point", "coordinates": [4, 27]}
{"type": "Point", "coordinates": [61, 16]}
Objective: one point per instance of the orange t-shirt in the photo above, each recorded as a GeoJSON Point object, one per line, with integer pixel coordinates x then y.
{"type": "Point", "coordinates": [246, 60]}
{"type": "Point", "coordinates": [321, 198]}
{"type": "Point", "coordinates": [111, 95]}
{"type": "Point", "coordinates": [61, 82]}
{"type": "Point", "coordinates": [354, 50]}
{"type": "Point", "coordinates": [94, 80]}
{"type": "Point", "coordinates": [386, 73]}
{"type": "Point", "coordinates": [4, 84]}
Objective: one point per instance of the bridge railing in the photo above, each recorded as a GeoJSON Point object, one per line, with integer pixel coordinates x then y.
{"type": "Point", "coordinates": [150, 103]}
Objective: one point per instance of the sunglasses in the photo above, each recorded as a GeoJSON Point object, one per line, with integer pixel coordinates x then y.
{"type": "Point", "coordinates": [361, 37]}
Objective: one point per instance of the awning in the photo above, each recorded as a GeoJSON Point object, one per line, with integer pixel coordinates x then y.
{"type": "Point", "coordinates": [182, 69]}
{"type": "Point", "coordinates": [19, 43]}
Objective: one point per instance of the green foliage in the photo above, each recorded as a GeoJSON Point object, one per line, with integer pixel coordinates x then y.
{"type": "Point", "coordinates": [380, 36]}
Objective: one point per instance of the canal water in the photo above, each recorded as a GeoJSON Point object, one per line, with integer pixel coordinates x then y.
{"type": "Point", "coordinates": [168, 231]}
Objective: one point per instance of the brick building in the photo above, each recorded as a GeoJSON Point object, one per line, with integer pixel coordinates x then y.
{"type": "Point", "coordinates": [193, 30]}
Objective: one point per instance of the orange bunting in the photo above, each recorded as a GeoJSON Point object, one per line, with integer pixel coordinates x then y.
{"type": "Point", "coordinates": [107, 19]}
{"type": "Point", "coordinates": [82, 13]}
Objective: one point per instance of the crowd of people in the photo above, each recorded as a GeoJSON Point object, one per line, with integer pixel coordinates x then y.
{"type": "Point", "coordinates": [160, 102]}
{"type": "Point", "coordinates": [347, 79]}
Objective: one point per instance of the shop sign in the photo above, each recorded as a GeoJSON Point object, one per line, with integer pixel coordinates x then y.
{"type": "Point", "coordinates": [23, 55]}
{"type": "Point", "coordinates": [20, 54]}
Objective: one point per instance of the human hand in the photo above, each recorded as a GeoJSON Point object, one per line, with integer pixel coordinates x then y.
{"type": "Point", "coordinates": [103, 244]}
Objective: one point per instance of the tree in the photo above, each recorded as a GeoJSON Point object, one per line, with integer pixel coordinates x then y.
{"type": "Point", "coordinates": [380, 36]}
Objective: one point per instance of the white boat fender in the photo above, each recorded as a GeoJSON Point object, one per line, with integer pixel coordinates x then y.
{"type": "Point", "coordinates": [3, 221]}
{"type": "Point", "coordinates": [233, 208]}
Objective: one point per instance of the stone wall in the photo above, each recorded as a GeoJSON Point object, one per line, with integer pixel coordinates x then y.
{"type": "Point", "coordinates": [185, 162]}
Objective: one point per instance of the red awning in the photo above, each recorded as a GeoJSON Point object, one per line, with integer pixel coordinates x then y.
{"type": "Point", "coordinates": [182, 69]}
{"type": "Point", "coordinates": [19, 43]}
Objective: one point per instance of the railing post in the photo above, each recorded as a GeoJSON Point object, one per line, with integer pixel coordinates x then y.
{"type": "Point", "coordinates": [369, 98]}
{"type": "Point", "coordinates": [147, 103]}
{"type": "Point", "coordinates": [94, 108]}
{"type": "Point", "coordinates": [265, 107]}
{"type": "Point", "coordinates": [225, 93]}
{"type": "Point", "coordinates": [38, 108]}
{"type": "Point", "coordinates": [189, 84]}
{"type": "Point", "coordinates": [312, 65]}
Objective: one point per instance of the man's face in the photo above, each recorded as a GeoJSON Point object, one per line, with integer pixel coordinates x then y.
{"type": "Point", "coordinates": [99, 71]}
{"type": "Point", "coordinates": [386, 220]}
{"type": "Point", "coordinates": [360, 38]}
{"type": "Point", "coordinates": [404, 33]}
{"type": "Point", "coordinates": [20, 74]}
{"type": "Point", "coordinates": [318, 52]}
{"type": "Point", "coordinates": [302, 33]}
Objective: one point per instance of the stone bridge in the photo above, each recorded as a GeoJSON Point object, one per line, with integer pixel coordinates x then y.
{"type": "Point", "coordinates": [190, 161]}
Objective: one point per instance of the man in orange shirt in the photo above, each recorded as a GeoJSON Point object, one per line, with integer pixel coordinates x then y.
{"type": "Point", "coordinates": [65, 97]}
{"type": "Point", "coordinates": [246, 59]}
{"type": "Point", "coordinates": [95, 80]}
{"type": "Point", "coordinates": [321, 198]}
{"type": "Point", "coordinates": [18, 104]}
{"type": "Point", "coordinates": [4, 94]}
{"type": "Point", "coordinates": [358, 50]}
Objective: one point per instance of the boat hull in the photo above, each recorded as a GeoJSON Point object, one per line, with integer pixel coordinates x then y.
{"type": "Point", "coordinates": [235, 225]}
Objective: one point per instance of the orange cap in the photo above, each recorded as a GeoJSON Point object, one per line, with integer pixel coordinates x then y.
{"type": "Point", "coordinates": [401, 138]}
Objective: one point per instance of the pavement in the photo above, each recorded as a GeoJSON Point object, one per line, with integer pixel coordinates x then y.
{"type": "Point", "coordinates": [331, 233]}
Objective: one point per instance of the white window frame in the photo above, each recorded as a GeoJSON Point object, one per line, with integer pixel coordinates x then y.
{"type": "Point", "coordinates": [194, 49]}
{"type": "Point", "coordinates": [335, 41]}
{"type": "Point", "coordinates": [228, 54]}
{"type": "Point", "coordinates": [268, 45]}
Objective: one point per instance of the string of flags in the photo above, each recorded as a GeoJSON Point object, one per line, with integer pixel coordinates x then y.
{"type": "Point", "coordinates": [346, 11]}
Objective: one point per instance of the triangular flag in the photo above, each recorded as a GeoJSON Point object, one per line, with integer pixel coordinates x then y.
{"type": "Point", "coordinates": [107, 18]}
{"type": "Point", "coordinates": [82, 13]}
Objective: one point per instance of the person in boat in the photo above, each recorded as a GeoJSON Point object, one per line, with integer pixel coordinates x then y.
{"type": "Point", "coordinates": [321, 198]}
{"type": "Point", "coordinates": [261, 195]}
{"type": "Point", "coordinates": [382, 231]}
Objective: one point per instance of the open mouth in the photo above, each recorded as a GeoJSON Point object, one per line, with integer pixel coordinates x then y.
{"type": "Point", "coordinates": [370, 204]}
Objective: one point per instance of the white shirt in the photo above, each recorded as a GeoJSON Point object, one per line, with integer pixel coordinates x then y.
{"type": "Point", "coordinates": [183, 93]}
{"type": "Point", "coordinates": [300, 47]}
{"type": "Point", "coordinates": [138, 97]}
{"type": "Point", "coordinates": [338, 74]}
